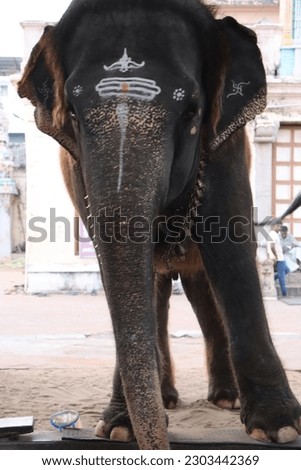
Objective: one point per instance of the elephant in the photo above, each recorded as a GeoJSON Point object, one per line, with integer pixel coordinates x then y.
{"type": "Point", "coordinates": [149, 101]}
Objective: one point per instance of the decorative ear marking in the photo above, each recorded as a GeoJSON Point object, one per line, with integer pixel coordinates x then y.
{"type": "Point", "coordinates": [124, 64]}
{"type": "Point", "coordinates": [179, 94]}
{"type": "Point", "coordinates": [237, 88]}
{"type": "Point", "coordinates": [45, 91]}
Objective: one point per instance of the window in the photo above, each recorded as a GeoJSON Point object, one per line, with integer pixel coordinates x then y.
{"type": "Point", "coordinates": [297, 20]}
{"type": "Point", "coordinates": [16, 138]}
{"type": "Point", "coordinates": [287, 175]}
{"type": "Point", "coordinates": [3, 90]}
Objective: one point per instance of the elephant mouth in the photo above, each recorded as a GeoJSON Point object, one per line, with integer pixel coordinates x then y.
{"type": "Point", "coordinates": [132, 87]}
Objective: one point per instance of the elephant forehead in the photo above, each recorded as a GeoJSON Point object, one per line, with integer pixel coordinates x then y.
{"type": "Point", "coordinates": [133, 52]}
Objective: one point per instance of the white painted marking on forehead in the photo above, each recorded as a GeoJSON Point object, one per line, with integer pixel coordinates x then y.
{"type": "Point", "coordinates": [122, 112]}
{"type": "Point", "coordinates": [124, 64]}
{"type": "Point", "coordinates": [133, 87]}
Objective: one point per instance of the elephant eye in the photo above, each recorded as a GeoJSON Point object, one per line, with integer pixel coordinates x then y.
{"type": "Point", "coordinates": [72, 112]}
{"type": "Point", "coordinates": [73, 116]}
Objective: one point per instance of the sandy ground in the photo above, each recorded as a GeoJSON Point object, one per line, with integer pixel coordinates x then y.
{"type": "Point", "coordinates": [57, 352]}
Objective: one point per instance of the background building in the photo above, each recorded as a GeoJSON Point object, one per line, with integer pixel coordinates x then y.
{"type": "Point", "coordinates": [12, 162]}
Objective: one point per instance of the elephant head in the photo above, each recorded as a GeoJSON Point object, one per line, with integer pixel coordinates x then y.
{"type": "Point", "coordinates": [140, 94]}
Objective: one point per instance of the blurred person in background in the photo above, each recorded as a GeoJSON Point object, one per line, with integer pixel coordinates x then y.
{"type": "Point", "coordinates": [291, 249]}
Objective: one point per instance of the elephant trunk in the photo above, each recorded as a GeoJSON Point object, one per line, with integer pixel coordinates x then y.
{"type": "Point", "coordinates": [128, 283]}
{"type": "Point", "coordinates": [127, 268]}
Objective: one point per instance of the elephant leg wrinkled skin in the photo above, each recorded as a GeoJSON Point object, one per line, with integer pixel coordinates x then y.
{"type": "Point", "coordinates": [223, 390]}
{"type": "Point", "coordinates": [115, 422]}
{"type": "Point", "coordinates": [267, 416]}
{"type": "Point", "coordinates": [163, 292]}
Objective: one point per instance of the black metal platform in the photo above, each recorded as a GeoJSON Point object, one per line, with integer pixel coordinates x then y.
{"type": "Point", "coordinates": [84, 439]}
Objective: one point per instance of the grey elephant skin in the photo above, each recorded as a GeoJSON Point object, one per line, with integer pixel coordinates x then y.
{"type": "Point", "coordinates": [149, 100]}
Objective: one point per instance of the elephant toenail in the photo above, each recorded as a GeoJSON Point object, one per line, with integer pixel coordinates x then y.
{"type": "Point", "coordinates": [121, 433]}
{"type": "Point", "coordinates": [259, 435]}
{"type": "Point", "coordinates": [287, 434]}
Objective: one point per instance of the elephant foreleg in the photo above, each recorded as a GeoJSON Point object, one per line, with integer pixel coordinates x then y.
{"type": "Point", "coordinates": [222, 390]}
{"type": "Point", "coordinates": [163, 292]}
{"type": "Point", "coordinates": [269, 409]}
{"type": "Point", "coordinates": [115, 423]}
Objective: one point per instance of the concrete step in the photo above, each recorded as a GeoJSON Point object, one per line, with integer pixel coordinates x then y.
{"type": "Point", "coordinates": [293, 285]}
{"type": "Point", "coordinates": [291, 291]}
{"type": "Point", "coordinates": [294, 278]}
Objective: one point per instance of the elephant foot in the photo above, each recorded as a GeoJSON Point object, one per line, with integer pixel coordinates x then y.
{"type": "Point", "coordinates": [282, 436]}
{"type": "Point", "coordinates": [276, 418]}
{"type": "Point", "coordinates": [115, 424]}
{"type": "Point", "coordinates": [224, 397]}
{"type": "Point", "coordinates": [170, 396]}
{"type": "Point", "coordinates": [228, 404]}
{"type": "Point", "coordinates": [118, 433]}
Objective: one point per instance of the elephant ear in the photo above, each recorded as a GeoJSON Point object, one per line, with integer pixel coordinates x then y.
{"type": "Point", "coordinates": [43, 84]}
{"type": "Point", "coordinates": [241, 92]}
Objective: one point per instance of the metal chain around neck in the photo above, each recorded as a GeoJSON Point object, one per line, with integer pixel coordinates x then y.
{"type": "Point", "coordinates": [177, 249]}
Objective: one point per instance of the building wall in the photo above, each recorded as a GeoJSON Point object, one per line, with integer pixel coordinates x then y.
{"type": "Point", "coordinates": [12, 131]}
{"type": "Point", "coordinates": [51, 263]}
{"type": "Point", "coordinates": [286, 175]}
{"type": "Point", "coordinates": [18, 212]}
{"type": "Point", "coordinates": [249, 14]}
